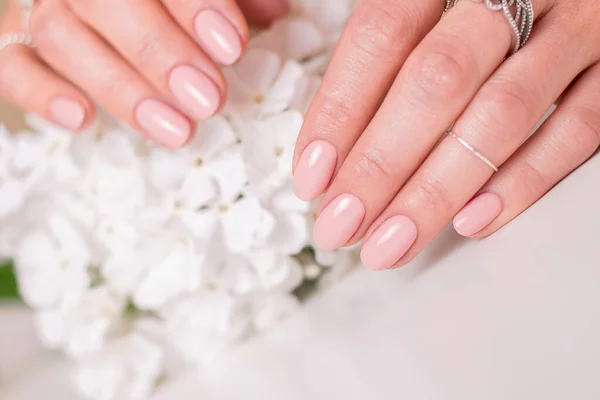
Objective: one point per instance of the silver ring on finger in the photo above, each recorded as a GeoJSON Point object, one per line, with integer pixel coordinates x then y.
{"type": "Point", "coordinates": [519, 14]}
{"type": "Point", "coordinates": [12, 38]}
{"type": "Point", "coordinates": [475, 152]}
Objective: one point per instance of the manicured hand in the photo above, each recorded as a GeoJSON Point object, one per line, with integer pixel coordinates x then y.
{"type": "Point", "coordinates": [151, 63]}
{"type": "Point", "coordinates": [373, 140]}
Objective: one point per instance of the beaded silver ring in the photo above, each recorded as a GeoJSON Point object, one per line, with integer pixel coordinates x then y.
{"type": "Point", "coordinates": [519, 14]}
{"type": "Point", "coordinates": [21, 37]}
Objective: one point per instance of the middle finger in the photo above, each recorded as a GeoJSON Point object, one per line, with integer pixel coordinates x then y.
{"type": "Point", "coordinates": [436, 83]}
{"type": "Point", "coordinates": [160, 51]}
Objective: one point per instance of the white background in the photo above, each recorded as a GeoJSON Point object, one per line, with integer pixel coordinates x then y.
{"type": "Point", "coordinates": [515, 316]}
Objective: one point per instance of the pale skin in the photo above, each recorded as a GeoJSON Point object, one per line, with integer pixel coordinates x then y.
{"type": "Point", "coordinates": [135, 58]}
{"type": "Point", "coordinates": [401, 75]}
{"type": "Point", "coordinates": [373, 141]}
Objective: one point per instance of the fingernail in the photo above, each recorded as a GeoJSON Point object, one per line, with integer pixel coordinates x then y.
{"type": "Point", "coordinates": [388, 244]}
{"type": "Point", "coordinates": [338, 222]}
{"type": "Point", "coordinates": [478, 214]}
{"type": "Point", "coordinates": [67, 112]}
{"type": "Point", "coordinates": [218, 37]}
{"type": "Point", "coordinates": [165, 125]}
{"type": "Point", "coordinates": [314, 170]}
{"type": "Point", "coordinates": [195, 91]}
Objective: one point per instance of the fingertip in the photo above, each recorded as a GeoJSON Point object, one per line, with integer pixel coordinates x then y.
{"type": "Point", "coordinates": [69, 113]}
{"type": "Point", "coordinates": [477, 214]}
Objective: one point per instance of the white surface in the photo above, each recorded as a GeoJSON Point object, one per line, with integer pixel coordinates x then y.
{"type": "Point", "coordinates": [516, 316]}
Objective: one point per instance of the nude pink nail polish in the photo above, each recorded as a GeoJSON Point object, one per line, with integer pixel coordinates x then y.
{"type": "Point", "coordinates": [388, 244]}
{"type": "Point", "coordinates": [163, 124]}
{"type": "Point", "coordinates": [338, 222]}
{"type": "Point", "coordinates": [217, 35]}
{"type": "Point", "coordinates": [478, 214]}
{"type": "Point", "coordinates": [195, 91]}
{"type": "Point", "coordinates": [314, 170]}
{"type": "Point", "coordinates": [67, 112]}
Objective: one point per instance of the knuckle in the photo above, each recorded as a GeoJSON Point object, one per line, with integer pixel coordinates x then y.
{"type": "Point", "coordinates": [439, 73]}
{"type": "Point", "coordinates": [430, 194]}
{"type": "Point", "coordinates": [47, 21]}
{"type": "Point", "coordinates": [584, 122]}
{"type": "Point", "coordinates": [373, 164]}
{"type": "Point", "coordinates": [504, 112]}
{"type": "Point", "coordinates": [333, 115]}
{"type": "Point", "coordinates": [380, 27]}
{"type": "Point", "coordinates": [83, 7]}
{"type": "Point", "coordinates": [146, 48]}
{"type": "Point", "coordinates": [530, 179]}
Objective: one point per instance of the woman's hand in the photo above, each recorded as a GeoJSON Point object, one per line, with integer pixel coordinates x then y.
{"type": "Point", "coordinates": [373, 139]}
{"type": "Point", "coordinates": [151, 63]}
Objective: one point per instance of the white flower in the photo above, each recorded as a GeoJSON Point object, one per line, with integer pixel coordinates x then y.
{"type": "Point", "coordinates": [81, 328]}
{"type": "Point", "coordinates": [276, 272]}
{"type": "Point", "coordinates": [135, 258]}
{"type": "Point", "coordinates": [260, 84]}
{"type": "Point", "coordinates": [202, 326]}
{"type": "Point", "coordinates": [156, 270]}
{"type": "Point", "coordinates": [268, 151]}
{"type": "Point", "coordinates": [53, 263]}
{"type": "Point", "coordinates": [174, 270]}
{"type": "Point", "coordinates": [114, 188]}
{"type": "Point", "coordinates": [127, 369]}
{"type": "Point", "coordinates": [330, 16]}
{"type": "Point", "coordinates": [298, 39]}
{"type": "Point", "coordinates": [166, 169]}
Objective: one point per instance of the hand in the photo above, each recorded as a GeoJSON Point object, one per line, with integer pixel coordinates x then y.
{"type": "Point", "coordinates": [151, 63]}
{"type": "Point", "coordinates": [373, 139]}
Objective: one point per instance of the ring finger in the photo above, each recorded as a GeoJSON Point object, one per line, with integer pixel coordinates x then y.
{"type": "Point", "coordinates": [435, 85]}
{"type": "Point", "coordinates": [73, 50]}
{"type": "Point", "coordinates": [495, 123]}
{"type": "Point", "coordinates": [565, 141]}
{"type": "Point", "coordinates": [159, 50]}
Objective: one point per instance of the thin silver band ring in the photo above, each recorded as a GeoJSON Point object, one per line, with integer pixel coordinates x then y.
{"type": "Point", "coordinates": [475, 152]}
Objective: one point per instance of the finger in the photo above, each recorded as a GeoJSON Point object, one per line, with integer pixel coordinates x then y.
{"type": "Point", "coordinates": [437, 81]}
{"type": "Point", "coordinates": [73, 50]}
{"type": "Point", "coordinates": [217, 25]}
{"type": "Point", "coordinates": [565, 141]}
{"type": "Point", "coordinates": [495, 123]}
{"type": "Point", "coordinates": [377, 40]}
{"type": "Point", "coordinates": [26, 82]}
{"type": "Point", "coordinates": [263, 12]}
{"type": "Point", "coordinates": [159, 50]}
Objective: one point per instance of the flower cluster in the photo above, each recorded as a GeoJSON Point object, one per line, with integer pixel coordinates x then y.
{"type": "Point", "coordinates": [138, 260]}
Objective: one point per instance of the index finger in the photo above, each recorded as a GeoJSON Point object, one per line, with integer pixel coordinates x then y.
{"type": "Point", "coordinates": [377, 40]}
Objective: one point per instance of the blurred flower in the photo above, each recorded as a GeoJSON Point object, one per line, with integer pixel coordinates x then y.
{"type": "Point", "coordinates": [137, 259]}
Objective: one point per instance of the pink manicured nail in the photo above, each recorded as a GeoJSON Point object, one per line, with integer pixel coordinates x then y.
{"type": "Point", "coordinates": [389, 243]}
{"type": "Point", "coordinates": [67, 112]}
{"type": "Point", "coordinates": [314, 170]}
{"type": "Point", "coordinates": [218, 37]}
{"type": "Point", "coordinates": [478, 214]}
{"type": "Point", "coordinates": [195, 91]}
{"type": "Point", "coordinates": [165, 125]}
{"type": "Point", "coordinates": [338, 222]}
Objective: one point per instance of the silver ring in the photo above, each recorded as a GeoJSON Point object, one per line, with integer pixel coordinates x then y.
{"type": "Point", "coordinates": [518, 13]}
{"type": "Point", "coordinates": [475, 152]}
{"type": "Point", "coordinates": [11, 38]}
{"type": "Point", "coordinates": [22, 37]}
